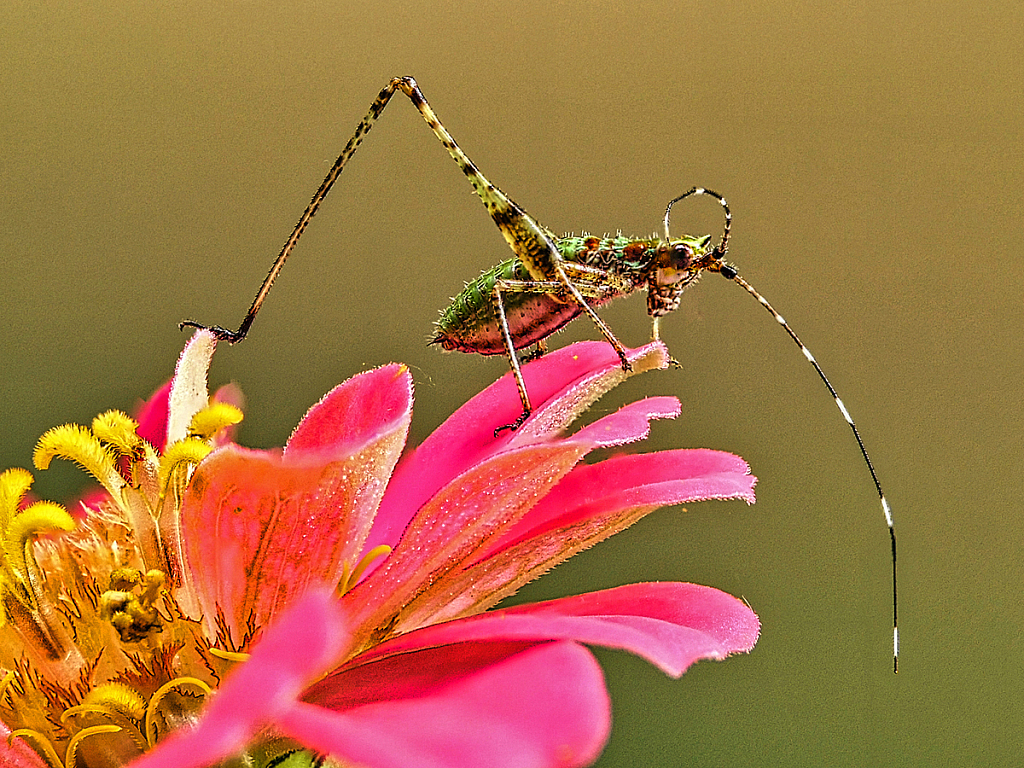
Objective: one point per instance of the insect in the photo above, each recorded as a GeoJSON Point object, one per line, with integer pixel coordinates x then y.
{"type": "Point", "coordinates": [550, 280]}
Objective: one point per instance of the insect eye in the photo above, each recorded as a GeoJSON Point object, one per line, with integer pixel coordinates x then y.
{"type": "Point", "coordinates": [682, 256]}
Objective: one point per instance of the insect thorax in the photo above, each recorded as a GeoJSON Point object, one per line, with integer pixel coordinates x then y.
{"type": "Point", "coordinates": [623, 256]}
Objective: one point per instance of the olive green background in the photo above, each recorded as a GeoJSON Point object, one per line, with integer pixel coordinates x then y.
{"type": "Point", "coordinates": [155, 155]}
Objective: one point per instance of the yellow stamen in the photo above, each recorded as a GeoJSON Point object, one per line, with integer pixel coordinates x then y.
{"type": "Point", "coordinates": [14, 484]}
{"type": "Point", "coordinates": [349, 581]}
{"type": "Point", "coordinates": [213, 418]}
{"type": "Point", "coordinates": [161, 692]}
{"type": "Point", "coordinates": [35, 520]}
{"type": "Point", "coordinates": [40, 743]}
{"type": "Point", "coordinates": [346, 575]}
{"type": "Point", "coordinates": [155, 580]}
{"type": "Point", "coordinates": [124, 579]}
{"type": "Point", "coordinates": [70, 757]}
{"type": "Point", "coordinates": [118, 429]}
{"type": "Point", "coordinates": [229, 655]}
{"type": "Point", "coordinates": [76, 443]}
{"type": "Point", "coordinates": [118, 697]}
{"type": "Point", "coordinates": [187, 452]}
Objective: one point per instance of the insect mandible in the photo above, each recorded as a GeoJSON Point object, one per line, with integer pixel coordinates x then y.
{"type": "Point", "coordinates": [551, 280]}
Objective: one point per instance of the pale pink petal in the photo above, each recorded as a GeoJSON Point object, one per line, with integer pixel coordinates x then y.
{"type": "Point", "coordinates": [561, 385]}
{"type": "Point", "coordinates": [307, 640]}
{"type": "Point", "coordinates": [488, 704]}
{"type": "Point", "coordinates": [670, 624]}
{"type": "Point", "coordinates": [188, 387]}
{"type": "Point", "coordinates": [257, 528]}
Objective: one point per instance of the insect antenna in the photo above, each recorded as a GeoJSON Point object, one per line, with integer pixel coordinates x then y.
{"type": "Point", "coordinates": [716, 264]}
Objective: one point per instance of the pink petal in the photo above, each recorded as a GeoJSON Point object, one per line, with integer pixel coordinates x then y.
{"type": "Point", "coordinates": [561, 385]}
{"type": "Point", "coordinates": [472, 705]}
{"type": "Point", "coordinates": [670, 624]}
{"type": "Point", "coordinates": [571, 397]}
{"type": "Point", "coordinates": [259, 690]}
{"type": "Point", "coordinates": [636, 480]}
{"type": "Point", "coordinates": [588, 505]}
{"type": "Point", "coordinates": [448, 530]}
{"type": "Point", "coordinates": [356, 412]}
{"type": "Point", "coordinates": [423, 578]}
{"type": "Point", "coordinates": [152, 418]}
{"type": "Point", "coordinates": [257, 528]}
{"type": "Point", "coordinates": [630, 423]}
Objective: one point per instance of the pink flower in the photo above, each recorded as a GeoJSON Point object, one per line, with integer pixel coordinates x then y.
{"type": "Point", "coordinates": [358, 585]}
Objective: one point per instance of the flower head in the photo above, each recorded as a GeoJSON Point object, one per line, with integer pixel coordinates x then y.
{"type": "Point", "coordinates": [354, 583]}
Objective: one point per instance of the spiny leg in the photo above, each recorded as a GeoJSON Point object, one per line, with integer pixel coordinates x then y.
{"type": "Point", "coordinates": [594, 290]}
{"type": "Point", "coordinates": [332, 175]}
{"type": "Point", "coordinates": [532, 243]}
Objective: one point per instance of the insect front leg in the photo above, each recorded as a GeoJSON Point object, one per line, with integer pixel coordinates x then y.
{"type": "Point", "coordinates": [594, 290]}
{"type": "Point", "coordinates": [594, 282]}
{"type": "Point", "coordinates": [539, 350]}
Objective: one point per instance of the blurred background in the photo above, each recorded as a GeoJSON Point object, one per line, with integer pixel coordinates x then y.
{"type": "Point", "coordinates": [156, 156]}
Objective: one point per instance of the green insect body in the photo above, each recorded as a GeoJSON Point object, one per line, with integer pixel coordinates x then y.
{"type": "Point", "coordinates": [471, 323]}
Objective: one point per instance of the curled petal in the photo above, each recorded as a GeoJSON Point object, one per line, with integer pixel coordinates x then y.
{"type": "Point", "coordinates": [630, 423]}
{"type": "Point", "coordinates": [504, 705]}
{"type": "Point", "coordinates": [355, 413]}
{"type": "Point", "coordinates": [188, 387]}
{"type": "Point", "coordinates": [593, 370]}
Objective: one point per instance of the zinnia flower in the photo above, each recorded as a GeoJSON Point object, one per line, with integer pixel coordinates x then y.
{"type": "Point", "coordinates": [350, 589]}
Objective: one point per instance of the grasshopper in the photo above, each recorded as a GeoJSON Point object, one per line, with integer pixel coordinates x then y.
{"type": "Point", "coordinates": [552, 280]}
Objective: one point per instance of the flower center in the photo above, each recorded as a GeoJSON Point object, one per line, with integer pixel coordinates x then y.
{"type": "Point", "coordinates": [95, 653]}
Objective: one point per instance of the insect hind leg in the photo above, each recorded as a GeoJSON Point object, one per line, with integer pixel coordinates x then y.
{"type": "Point", "coordinates": [532, 243]}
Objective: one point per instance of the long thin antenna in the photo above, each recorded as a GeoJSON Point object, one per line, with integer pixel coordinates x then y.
{"type": "Point", "coordinates": [716, 264]}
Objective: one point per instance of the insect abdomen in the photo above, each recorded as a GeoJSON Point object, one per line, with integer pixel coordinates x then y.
{"type": "Point", "coordinates": [470, 323]}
